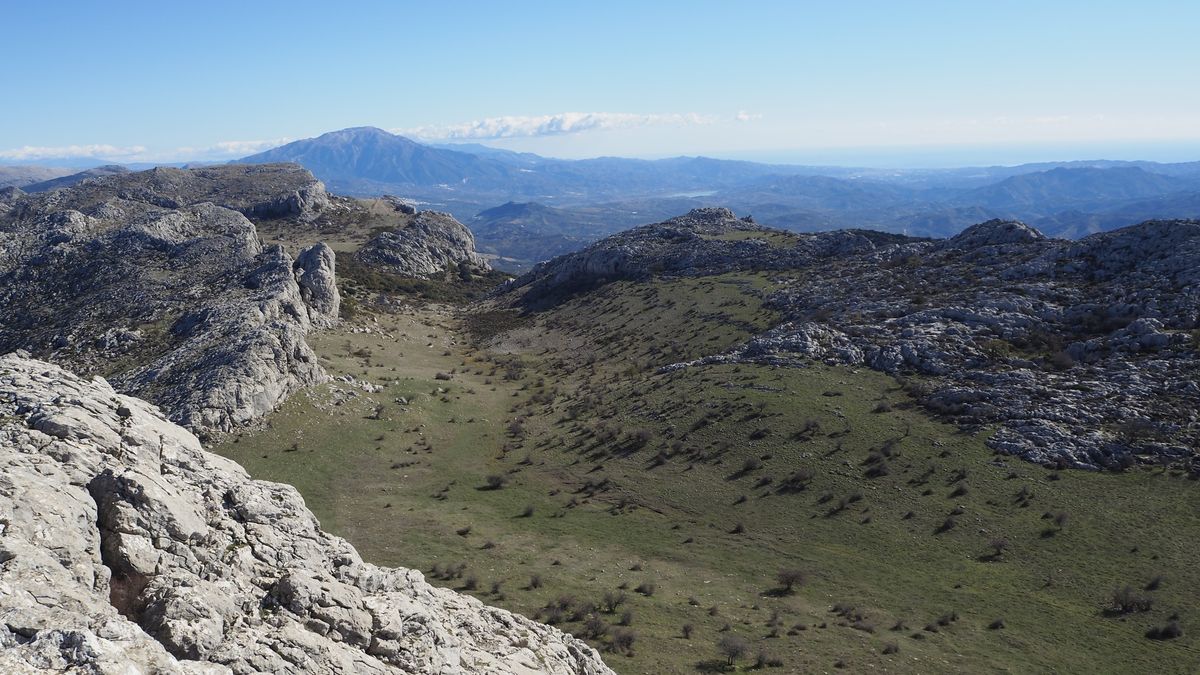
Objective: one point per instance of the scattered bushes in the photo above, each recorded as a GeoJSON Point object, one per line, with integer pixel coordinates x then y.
{"type": "Point", "coordinates": [1126, 600]}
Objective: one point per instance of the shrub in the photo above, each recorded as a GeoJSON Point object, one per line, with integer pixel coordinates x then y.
{"type": "Point", "coordinates": [612, 600]}
{"type": "Point", "coordinates": [1168, 632]}
{"type": "Point", "coordinates": [789, 578]}
{"type": "Point", "coordinates": [686, 631]}
{"type": "Point", "coordinates": [535, 581]}
{"type": "Point", "coordinates": [496, 481]}
{"type": "Point", "coordinates": [622, 641]}
{"type": "Point", "coordinates": [998, 545]}
{"type": "Point", "coordinates": [645, 588]}
{"type": "Point", "coordinates": [595, 628]}
{"type": "Point", "coordinates": [732, 647]}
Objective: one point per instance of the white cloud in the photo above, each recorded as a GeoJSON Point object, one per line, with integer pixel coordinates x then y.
{"type": "Point", "coordinates": [743, 116]}
{"type": "Point", "coordinates": [140, 153]}
{"type": "Point", "coordinates": [229, 149]}
{"type": "Point", "coordinates": [99, 151]}
{"type": "Point", "coordinates": [551, 125]}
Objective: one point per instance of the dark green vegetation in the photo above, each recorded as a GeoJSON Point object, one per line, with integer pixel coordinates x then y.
{"type": "Point", "coordinates": [729, 516]}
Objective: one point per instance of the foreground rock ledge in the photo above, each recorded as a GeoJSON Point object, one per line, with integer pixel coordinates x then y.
{"type": "Point", "coordinates": [126, 548]}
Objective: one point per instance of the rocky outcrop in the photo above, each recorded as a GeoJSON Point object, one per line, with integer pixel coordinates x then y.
{"type": "Point", "coordinates": [316, 272]}
{"type": "Point", "coordinates": [429, 244]}
{"type": "Point", "coordinates": [125, 547]}
{"type": "Point", "coordinates": [181, 305]}
{"type": "Point", "coordinates": [994, 233]}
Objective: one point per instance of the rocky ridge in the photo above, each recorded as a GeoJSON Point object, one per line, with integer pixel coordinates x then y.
{"type": "Point", "coordinates": [142, 278]}
{"type": "Point", "coordinates": [125, 547]}
{"type": "Point", "coordinates": [1081, 353]}
{"type": "Point", "coordinates": [703, 241]}
{"type": "Point", "coordinates": [256, 191]}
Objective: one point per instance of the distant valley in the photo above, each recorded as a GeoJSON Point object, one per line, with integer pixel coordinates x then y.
{"type": "Point", "coordinates": [525, 208]}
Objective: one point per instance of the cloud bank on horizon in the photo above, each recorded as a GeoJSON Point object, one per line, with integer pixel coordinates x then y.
{"type": "Point", "coordinates": [139, 153]}
{"type": "Point", "coordinates": [527, 126]}
{"type": "Point", "coordinates": [491, 128]}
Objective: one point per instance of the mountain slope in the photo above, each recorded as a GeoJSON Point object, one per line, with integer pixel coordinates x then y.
{"type": "Point", "coordinates": [1063, 188]}
{"type": "Point", "coordinates": [21, 176]}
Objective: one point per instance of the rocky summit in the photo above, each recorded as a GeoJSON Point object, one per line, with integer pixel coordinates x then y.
{"type": "Point", "coordinates": [1081, 353]}
{"type": "Point", "coordinates": [143, 279]}
{"type": "Point", "coordinates": [125, 547]}
{"type": "Point", "coordinates": [703, 241]}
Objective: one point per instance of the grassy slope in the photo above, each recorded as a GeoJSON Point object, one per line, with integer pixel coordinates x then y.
{"type": "Point", "coordinates": [580, 382]}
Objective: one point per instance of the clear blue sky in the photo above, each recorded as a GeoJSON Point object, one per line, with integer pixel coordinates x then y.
{"type": "Point", "coordinates": [781, 80]}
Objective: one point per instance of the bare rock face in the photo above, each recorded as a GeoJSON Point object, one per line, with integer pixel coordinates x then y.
{"type": "Point", "coordinates": [178, 304]}
{"type": "Point", "coordinates": [430, 244]}
{"type": "Point", "coordinates": [125, 547]}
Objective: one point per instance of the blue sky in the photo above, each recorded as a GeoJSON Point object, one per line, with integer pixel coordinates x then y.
{"type": "Point", "coordinates": [845, 82]}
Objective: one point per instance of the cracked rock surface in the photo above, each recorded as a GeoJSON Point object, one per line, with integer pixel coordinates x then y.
{"type": "Point", "coordinates": [125, 548]}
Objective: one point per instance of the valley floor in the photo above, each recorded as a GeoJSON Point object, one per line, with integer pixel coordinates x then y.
{"type": "Point", "coordinates": [542, 464]}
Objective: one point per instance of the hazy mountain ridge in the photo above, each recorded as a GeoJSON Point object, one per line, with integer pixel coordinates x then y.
{"type": "Point", "coordinates": [593, 197]}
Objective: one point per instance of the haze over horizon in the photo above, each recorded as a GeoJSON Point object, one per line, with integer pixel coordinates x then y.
{"type": "Point", "coordinates": [866, 84]}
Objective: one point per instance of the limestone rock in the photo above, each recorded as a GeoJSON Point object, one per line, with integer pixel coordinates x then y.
{"type": "Point", "coordinates": [125, 547]}
{"type": "Point", "coordinates": [430, 244]}
{"type": "Point", "coordinates": [316, 272]}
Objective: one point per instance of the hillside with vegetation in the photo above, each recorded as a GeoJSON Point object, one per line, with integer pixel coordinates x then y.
{"type": "Point", "coordinates": [627, 445]}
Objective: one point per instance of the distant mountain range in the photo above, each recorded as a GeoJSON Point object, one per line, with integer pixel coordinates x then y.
{"type": "Point", "coordinates": [524, 207]}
